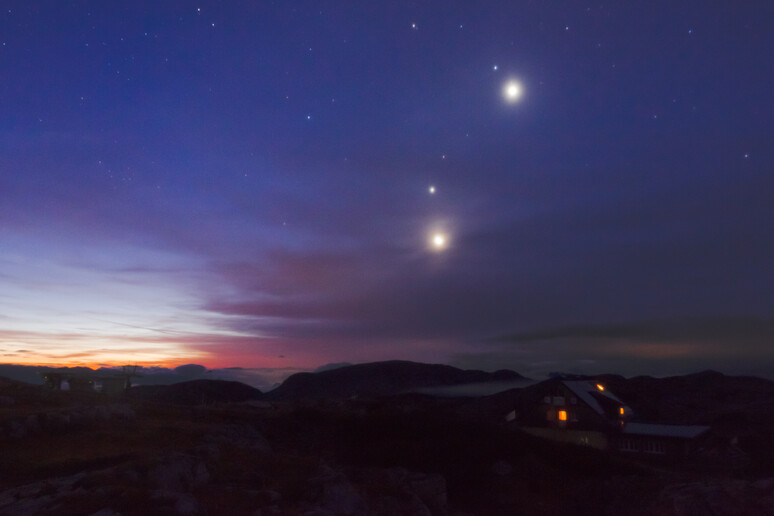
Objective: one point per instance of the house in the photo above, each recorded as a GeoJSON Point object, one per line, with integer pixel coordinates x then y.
{"type": "Point", "coordinates": [109, 383]}
{"type": "Point", "coordinates": [586, 413]}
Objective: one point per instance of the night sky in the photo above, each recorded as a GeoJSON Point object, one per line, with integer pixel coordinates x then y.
{"type": "Point", "coordinates": [537, 185]}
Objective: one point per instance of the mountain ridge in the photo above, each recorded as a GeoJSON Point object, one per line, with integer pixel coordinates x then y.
{"type": "Point", "coordinates": [382, 378]}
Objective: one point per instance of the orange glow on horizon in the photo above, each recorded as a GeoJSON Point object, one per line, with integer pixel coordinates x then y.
{"type": "Point", "coordinates": [171, 364]}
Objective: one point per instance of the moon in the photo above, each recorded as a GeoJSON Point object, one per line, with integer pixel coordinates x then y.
{"type": "Point", "coordinates": [512, 91]}
{"type": "Point", "coordinates": [431, 189]}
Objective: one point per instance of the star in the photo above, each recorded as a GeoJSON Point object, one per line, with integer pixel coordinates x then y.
{"type": "Point", "coordinates": [431, 189]}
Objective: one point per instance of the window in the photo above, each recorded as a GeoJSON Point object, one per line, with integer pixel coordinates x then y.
{"type": "Point", "coordinates": [654, 447]}
{"type": "Point", "coordinates": [562, 415]}
{"type": "Point", "coordinates": [621, 411]}
{"type": "Point", "coordinates": [627, 445]}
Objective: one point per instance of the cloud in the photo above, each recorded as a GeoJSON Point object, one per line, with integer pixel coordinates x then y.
{"type": "Point", "coordinates": [695, 329]}
{"type": "Point", "coordinates": [733, 345]}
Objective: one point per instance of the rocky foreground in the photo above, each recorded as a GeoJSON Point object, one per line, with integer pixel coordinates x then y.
{"type": "Point", "coordinates": [81, 453]}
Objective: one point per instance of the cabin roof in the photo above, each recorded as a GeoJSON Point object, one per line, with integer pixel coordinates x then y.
{"type": "Point", "coordinates": [587, 391]}
{"type": "Point", "coordinates": [680, 431]}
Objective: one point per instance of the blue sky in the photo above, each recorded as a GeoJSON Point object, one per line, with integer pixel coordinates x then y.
{"type": "Point", "coordinates": [248, 185]}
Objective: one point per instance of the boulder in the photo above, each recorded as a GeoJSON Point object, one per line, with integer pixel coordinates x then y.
{"type": "Point", "coordinates": [178, 473]}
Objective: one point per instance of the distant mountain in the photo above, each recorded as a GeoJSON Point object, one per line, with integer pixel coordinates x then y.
{"type": "Point", "coordinates": [380, 379]}
{"type": "Point", "coordinates": [196, 392]}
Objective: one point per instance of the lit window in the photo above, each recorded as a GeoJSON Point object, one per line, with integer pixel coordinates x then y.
{"type": "Point", "coordinates": [621, 411]}
{"type": "Point", "coordinates": [600, 387]}
{"type": "Point", "coordinates": [562, 415]}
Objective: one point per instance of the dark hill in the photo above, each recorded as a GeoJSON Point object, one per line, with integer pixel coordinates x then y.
{"type": "Point", "coordinates": [380, 379]}
{"type": "Point", "coordinates": [196, 392]}
{"type": "Point", "coordinates": [13, 391]}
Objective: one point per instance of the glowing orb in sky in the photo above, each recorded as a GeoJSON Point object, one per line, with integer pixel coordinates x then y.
{"type": "Point", "coordinates": [512, 91]}
{"type": "Point", "coordinates": [438, 241]}
{"type": "Point", "coordinates": [431, 189]}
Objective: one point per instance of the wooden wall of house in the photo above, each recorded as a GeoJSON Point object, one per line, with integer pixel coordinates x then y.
{"type": "Point", "coordinates": [589, 438]}
{"type": "Point", "coordinates": [651, 445]}
{"type": "Point", "coordinates": [580, 415]}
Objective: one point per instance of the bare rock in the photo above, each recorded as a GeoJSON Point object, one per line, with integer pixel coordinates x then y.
{"type": "Point", "coordinates": [55, 422]}
{"type": "Point", "coordinates": [38, 497]}
{"type": "Point", "coordinates": [502, 468]}
{"type": "Point", "coordinates": [341, 497]}
{"type": "Point", "coordinates": [178, 473]}
{"type": "Point", "coordinates": [242, 436]}
{"type": "Point", "coordinates": [268, 496]}
{"type": "Point", "coordinates": [731, 497]}
{"type": "Point", "coordinates": [764, 483]}
{"type": "Point", "coordinates": [32, 423]}
{"type": "Point", "coordinates": [124, 412]}
{"type": "Point", "coordinates": [187, 505]}
{"type": "Point", "coordinates": [17, 430]}
{"type": "Point", "coordinates": [399, 491]}
{"type": "Point", "coordinates": [431, 489]}
{"type": "Point", "coordinates": [106, 512]}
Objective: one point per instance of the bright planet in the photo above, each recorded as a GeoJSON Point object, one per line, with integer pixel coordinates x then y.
{"type": "Point", "coordinates": [512, 91]}
{"type": "Point", "coordinates": [439, 241]}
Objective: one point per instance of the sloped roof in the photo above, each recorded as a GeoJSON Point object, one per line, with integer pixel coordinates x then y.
{"type": "Point", "coordinates": [680, 431]}
{"type": "Point", "coordinates": [583, 390]}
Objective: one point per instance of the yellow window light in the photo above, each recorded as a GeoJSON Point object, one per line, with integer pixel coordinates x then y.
{"type": "Point", "coordinates": [562, 415]}
{"type": "Point", "coordinates": [621, 411]}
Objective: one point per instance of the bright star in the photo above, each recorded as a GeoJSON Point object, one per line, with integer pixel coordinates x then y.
{"type": "Point", "coordinates": [431, 189]}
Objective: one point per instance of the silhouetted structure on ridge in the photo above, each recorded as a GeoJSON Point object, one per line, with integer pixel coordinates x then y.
{"type": "Point", "coordinates": [91, 381]}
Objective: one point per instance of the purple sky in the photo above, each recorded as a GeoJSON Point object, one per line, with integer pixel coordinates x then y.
{"type": "Point", "coordinates": [247, 184]}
